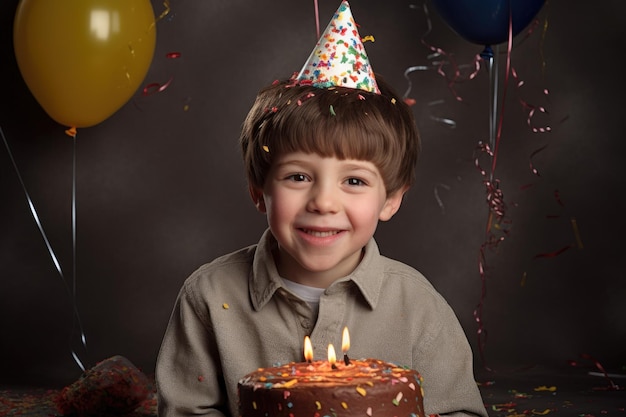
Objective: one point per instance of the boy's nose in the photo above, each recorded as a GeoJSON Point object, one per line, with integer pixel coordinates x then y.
{"type": "Point", "coordinates": [323, 199]}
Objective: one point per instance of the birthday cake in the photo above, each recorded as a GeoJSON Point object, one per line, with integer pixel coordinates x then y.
{"type": "Point", "coordinates": [367, 387]}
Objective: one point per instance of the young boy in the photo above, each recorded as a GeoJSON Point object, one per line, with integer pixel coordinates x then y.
{"type": "Point", "coordinates": [326, 161]}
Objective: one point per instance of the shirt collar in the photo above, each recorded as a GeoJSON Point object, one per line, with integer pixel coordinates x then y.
{"type": "Point", "coordinates": [368, 275]}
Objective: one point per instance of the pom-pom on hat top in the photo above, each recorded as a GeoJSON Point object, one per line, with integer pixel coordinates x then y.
{"type": "Point", "coordinates": [339, 58]}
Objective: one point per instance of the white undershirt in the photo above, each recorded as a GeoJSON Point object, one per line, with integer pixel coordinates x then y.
{"type": "Point", "coordinates": [309, 294]}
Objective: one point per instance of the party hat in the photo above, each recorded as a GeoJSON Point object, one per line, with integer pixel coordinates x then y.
{"type": "Point", "coordinates": [339, 58]}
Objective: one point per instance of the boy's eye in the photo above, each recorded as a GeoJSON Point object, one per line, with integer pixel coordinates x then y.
{"type": "Point", "coordinates": [355, 181]}
{"type": "Point", "coordinates": [297, 177]}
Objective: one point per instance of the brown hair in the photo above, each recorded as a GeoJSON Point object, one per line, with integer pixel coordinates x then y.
{"type": "Point", "coordinates": [342, 122]}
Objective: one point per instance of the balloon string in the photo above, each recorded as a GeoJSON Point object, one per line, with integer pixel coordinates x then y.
{"type": "Point", "coordinates": [317, 19]}
{"type": "Point", "coordinates": [77, 321]}
{"type": "Point", "coordinates": [504, 90]}
{"type": "Point", "coordinates": [493, 70]}
{"type": "Point", "coordinates": [495, 196]}
{"type": "Point", "coordinates": [49, 246]}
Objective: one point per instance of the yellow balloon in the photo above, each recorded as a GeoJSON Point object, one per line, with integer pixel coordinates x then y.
{"type": "Point", "coordinates": [83, 59]}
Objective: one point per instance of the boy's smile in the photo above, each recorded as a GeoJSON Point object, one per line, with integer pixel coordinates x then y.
{"type": "Point", "coordinates": [322, 211]}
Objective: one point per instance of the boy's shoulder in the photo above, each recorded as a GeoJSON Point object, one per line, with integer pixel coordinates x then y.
{"type": "Point", "coordinates": [401, 270]}
{"type": "Point", "coordinates": [233, 266]}
{"type": "Point", "coordinates": [405, 278]}
{"type": "Point", "coordinates": [243, 255]}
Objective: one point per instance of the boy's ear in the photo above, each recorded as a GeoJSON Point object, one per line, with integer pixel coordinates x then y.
{"type": "Point", "coordinates": [392, 205]}
{"type": "Point", "coordinates": [257, 198]}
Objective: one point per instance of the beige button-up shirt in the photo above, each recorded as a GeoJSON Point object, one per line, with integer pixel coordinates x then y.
{"type": "Point", "coordinates": [234, 315]}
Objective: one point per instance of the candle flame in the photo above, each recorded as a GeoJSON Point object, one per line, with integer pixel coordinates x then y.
{"type": "Point", "coordinates": [332, 357]}
{"type": "Point", "coordinates": [345, 340]}
{"type": "Point", "coordinates": [308, 349]}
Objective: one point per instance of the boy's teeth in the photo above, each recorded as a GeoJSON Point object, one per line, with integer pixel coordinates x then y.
{"type": "Point", "coordinates": [322, 234]}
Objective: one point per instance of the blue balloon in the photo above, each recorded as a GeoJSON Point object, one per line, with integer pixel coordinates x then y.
{"type": "Point", "coordinates": [486, 22]}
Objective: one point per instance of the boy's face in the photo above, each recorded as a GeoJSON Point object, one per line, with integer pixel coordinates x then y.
{"type": "Point", "coordinates": [322, 211]}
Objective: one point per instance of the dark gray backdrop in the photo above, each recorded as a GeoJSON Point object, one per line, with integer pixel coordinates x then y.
{"type": "Point", "coordinates": [160, 189]}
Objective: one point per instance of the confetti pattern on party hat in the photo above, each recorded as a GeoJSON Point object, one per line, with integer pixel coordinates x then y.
{"type": "Point", "coordinates": [339, 58]}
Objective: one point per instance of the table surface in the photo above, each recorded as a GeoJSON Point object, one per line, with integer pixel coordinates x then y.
{"type": "Point", "coordinates": [529, 392]}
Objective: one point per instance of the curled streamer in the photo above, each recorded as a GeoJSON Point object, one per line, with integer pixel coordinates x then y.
{"type": "Point", "coordinates": [443, 120]}
{"type": "Point", "coordinates": [553, 253]}
{"type": "Point", "coordinates": [494, 195]}
{"type": "Point", "coordinates": [611, 385]}
{"type": "Point", "coordinates": [409, 101]}
{"type": "Point", "coordinates": [153, 88]}
{"type": "Point", "coordinates": [409, 71]}
{"type": "Point", "coordinates": [557, 197]}
{"type": "Point", "coordinates": [532, 155]}
{"type": "Point", "coordinates": [438, 199]}
{"type": "Point", "coordinates": [481, 331]}
{"type": "Point", "coordinates": [532, 109]}
{"type": "Point", "coordinates": [457, 74]}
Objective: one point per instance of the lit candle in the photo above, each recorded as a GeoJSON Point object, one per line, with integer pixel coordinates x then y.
{"type": "Point", "coordinates": [332, 357]}
{"type": "Point", "coordinates": [345, 345]}
{"type": "Point", "coordinates": [308, 349]}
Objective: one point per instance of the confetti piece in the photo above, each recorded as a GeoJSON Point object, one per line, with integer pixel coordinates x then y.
{"type": "Point", "coordinates": [200, 378]}
{"type": "Point", "coordinates": [504, 406]}
{"type": "Point", "coordinates": [266, 148]}
{"type": "Point", "coordinates": [361, 391]}
{"type": "Point", "coordinates": [545, 388]}
{"type": "Point", "coordinates": [332, 110]}
{"type": "Point", "coordinates": [225, 306]}
{"type": "Point", "coordinates": [579, 241]}
{"type": "Point", "coordinates": [165, 12]}
{"type": "Point", "coordinates": [369, 38]}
